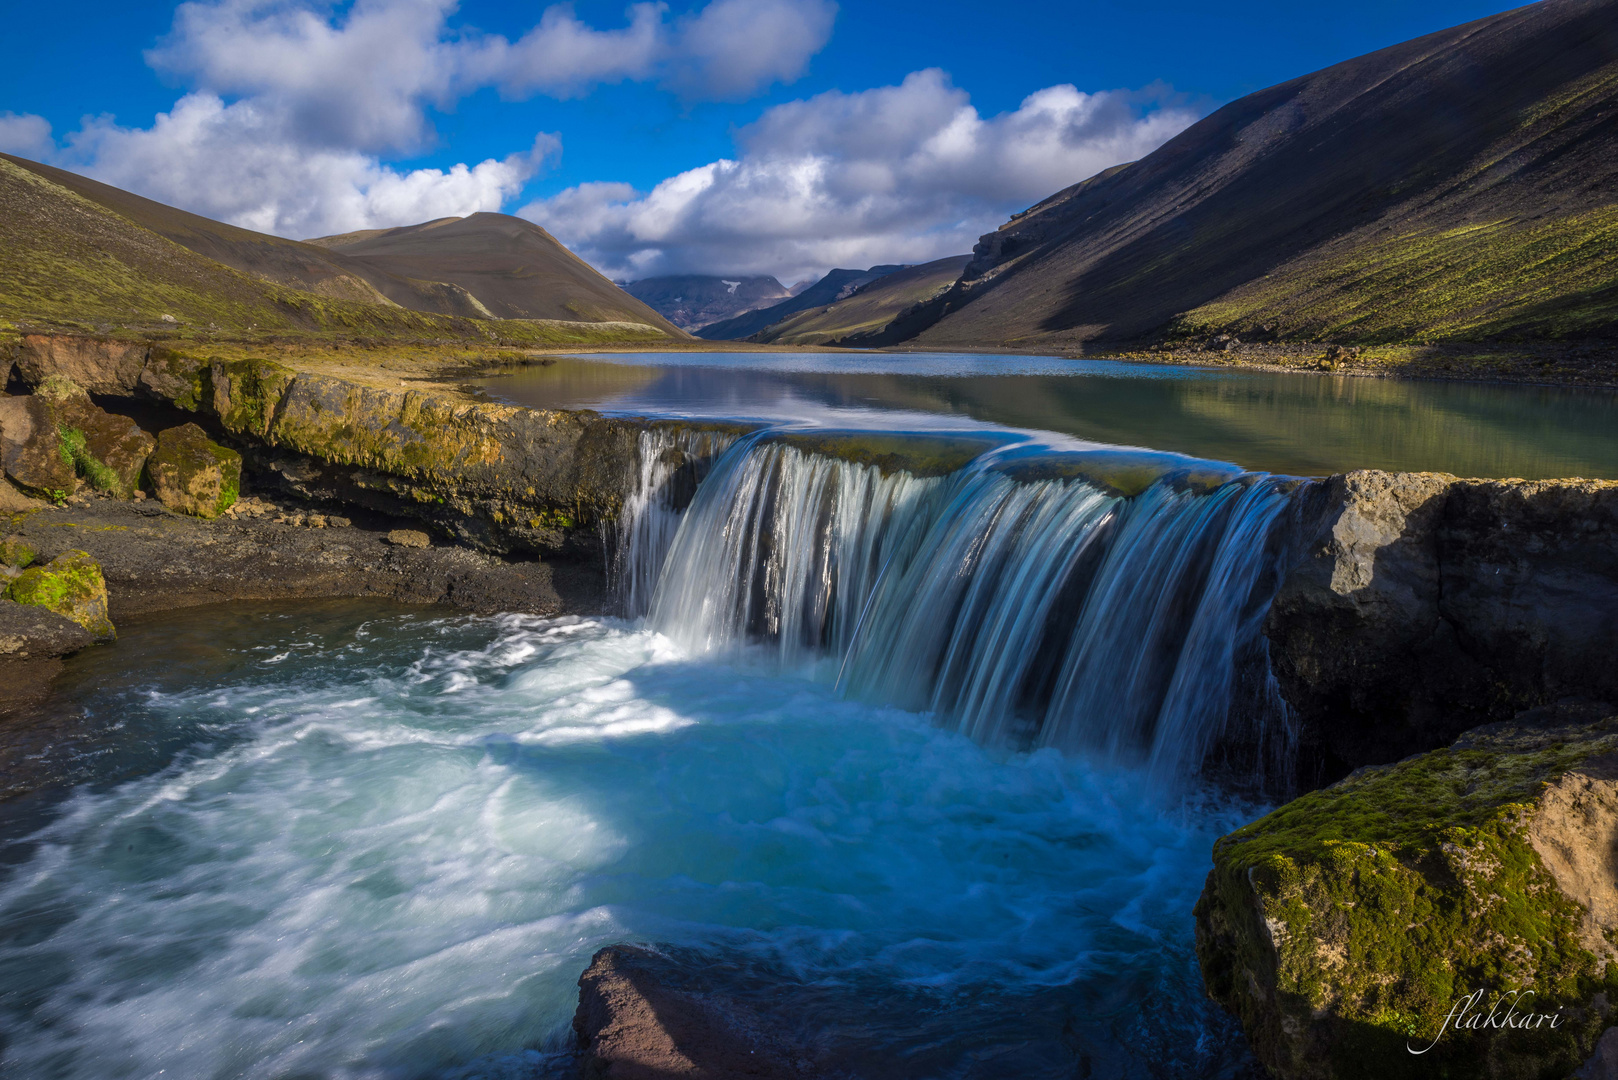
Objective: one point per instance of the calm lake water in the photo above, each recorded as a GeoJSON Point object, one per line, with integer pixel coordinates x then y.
{"type": "Point", "coordinates": [1297, 424]}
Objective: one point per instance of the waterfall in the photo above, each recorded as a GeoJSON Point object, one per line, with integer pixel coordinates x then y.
{"type": "Point", "coordinates": [1023, 607]}
{"type": "Point", "coordinates": [669, 464]}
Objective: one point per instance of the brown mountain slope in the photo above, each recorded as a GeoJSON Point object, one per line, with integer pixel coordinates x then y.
{"type": "Point", "coordinates": [692, 301]}
{"type": "Point", "coordinates": [513, 267]}
{"type": "Point", "coordinates": [325, 268]}
{"type": "Point", "coordinates": [68, 262]}
{"type": "Point", "coordinates": [864, 318]}
{"type": "Point", "coordinates": [1460, 186]}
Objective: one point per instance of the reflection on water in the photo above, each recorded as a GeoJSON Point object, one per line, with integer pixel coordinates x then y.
{"type": "Point", "coordinates": [1300, 424]}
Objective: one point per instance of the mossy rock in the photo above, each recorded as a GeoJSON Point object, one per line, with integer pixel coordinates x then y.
{"type": "Point", "coordinates": [106, 450]}
{"type": "Point", "coordinates": [30, 450]}
{"type": "Point", "coordinates": [1345, 928]}
{"type": "Point", "coordinates": [70, 585]}
{"type": "Point", "coordinates": [17, 552]}
{"type": "Point", "coordinates": [192, 474]}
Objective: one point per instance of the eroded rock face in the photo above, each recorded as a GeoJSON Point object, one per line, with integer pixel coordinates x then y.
{"type": "Point", "coordinates": [1430, 605]}
{"type": "Point", "coordinates": [192, 474]}
{"type": "Point", "coordinates": [1344, 928]}
{"type": "Point", "coordinates": [71, 585]}
{"type": "Point", "coordinates": [100, 366]}
{"type": "Point", "coordinates": [108, 451]}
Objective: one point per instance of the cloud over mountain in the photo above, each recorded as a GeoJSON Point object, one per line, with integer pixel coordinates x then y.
{"type": "Point", "coordinates": [291, 109]}
{"type": "Point", "coordinates": [897, 173]}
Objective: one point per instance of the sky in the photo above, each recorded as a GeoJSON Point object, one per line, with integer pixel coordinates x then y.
{"type": "Point", "coordinates": [729, 137]}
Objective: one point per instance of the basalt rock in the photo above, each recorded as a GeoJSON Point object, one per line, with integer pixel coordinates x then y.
{"type": "Point", "coordinates": [72, 586]}
{"type": "Point", "coordinates": [1371, 928]}
{"type": "Point", "coordinates": [193, 474]}
{"type": "Point", "coordinates": [1426, 605]}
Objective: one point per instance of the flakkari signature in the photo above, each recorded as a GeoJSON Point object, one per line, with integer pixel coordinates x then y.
{"type": "Point", "coordinates": [1466, 1014]}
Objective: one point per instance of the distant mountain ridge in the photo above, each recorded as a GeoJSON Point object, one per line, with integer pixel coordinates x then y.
{"type": "Point", "coordinates": [872, 314]}
{"type": "Point", "coordinates": [692, 301]}
{"type": "Point", "coordinates": [828, 290]}
{"type": "Point", "coordinates": [482, 266]}
{"type": "Point", "coordinates": [1460, 186]}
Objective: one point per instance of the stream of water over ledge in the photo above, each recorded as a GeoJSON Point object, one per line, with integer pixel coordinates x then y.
{"type": "Point", "coordinates": [901, 743]}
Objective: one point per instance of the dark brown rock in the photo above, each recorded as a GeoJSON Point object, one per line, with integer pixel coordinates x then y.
{"type": "Point", "coordinates": [107, 450]}
{"type": "Point", "coordinates": [30, 451]}
{"type": "Point", "coordinates": [33, 641]}
{"type": "Point", "coordinates": [632, 1026]}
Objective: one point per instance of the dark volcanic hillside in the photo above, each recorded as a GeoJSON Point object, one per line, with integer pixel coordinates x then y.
{"type": "Point", "coordinates": [514, 268]}
{"type": "Point", "coordinates": [692, 301]}
{"type": "Point", "coordinates": [828, 290]}
{"type": "Point", "coordinates": [1460, 186]}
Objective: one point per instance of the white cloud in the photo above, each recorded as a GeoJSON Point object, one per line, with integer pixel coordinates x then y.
{"type": "Point", "coordinates": [901, 173]}
{"type": "Point", "coordinates": [293, 104]}
{"type": "Point", "coordinates": [242, 163]}
{"type": "Point", "coordinates": [25, 135]}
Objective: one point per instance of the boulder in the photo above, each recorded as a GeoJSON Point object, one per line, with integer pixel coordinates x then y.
{"type": "Point", "coordinates": [31, 452]}
{"type": "Point", "coordinates": [16, 552]}
{"type": "Point", "coordinates": [193, 474]}
{"type": "Point", "coordinates": [1453, 914]}
{"type": "Point", "coordinates": [28, 632]}
{"type": "Point", "coordinates": [107, 450]}
{"type": "Point", "coordinates": [412, 538]}
{"type": "Point", "coordinates": [72, 586]}
{"type": "Point", "coordinates": [632, 1024]}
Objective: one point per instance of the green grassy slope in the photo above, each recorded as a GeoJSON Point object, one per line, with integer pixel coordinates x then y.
{"type": "Point", "coordinates": [862, 317]}
{"type": "Point", "coordinates": [69, 263]}
{"type": "Point", "coordinates": [1462, 187]}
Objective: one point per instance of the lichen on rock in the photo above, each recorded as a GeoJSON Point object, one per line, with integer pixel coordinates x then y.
{"type": "Point", "coordinates": [70, 585]}
{"type": "Point", "coordinates": [1344, 928]}
{"type": "Point", "coordinates": [17, 552]}
{"type": "Point", "coordinates": [192, 474]}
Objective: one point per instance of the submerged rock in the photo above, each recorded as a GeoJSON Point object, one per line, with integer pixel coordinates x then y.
{"type": "Point", "coordinates": [72, 586]}
{"type": "Point", "coordinates": [193, 474]}
{"type": "Point", "coordinates": [1374, 927]}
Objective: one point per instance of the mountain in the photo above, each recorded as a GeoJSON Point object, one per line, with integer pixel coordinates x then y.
{"type": "Point", "coordinates": [501, 268]}
{"type": "Point", "coordinates": [513, 268]}
{"type": "Point", "coordinates": [828, 290]}
{"type": "Point", "coordinates": [1460, 186]}
{"type": "Point", "coordinates": [692, 301]}
{"type": "Point", "coordinates": [77, 255]}
{"type": "Point", "coordinates": [865, 318]}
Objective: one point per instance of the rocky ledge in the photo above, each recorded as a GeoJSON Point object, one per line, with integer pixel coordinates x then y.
{"type": "Point", "coordinates": [1455, 914]}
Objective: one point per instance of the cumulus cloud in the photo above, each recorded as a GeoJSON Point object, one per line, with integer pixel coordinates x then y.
{"type": "Point", "coordinates": [244, 163]}
{"type": "Point", "coordinates": [902, 173]}
{"type": "Point", "coordinates": [25, 135]}
{"type": "Point", "coordinates": [293, 104]}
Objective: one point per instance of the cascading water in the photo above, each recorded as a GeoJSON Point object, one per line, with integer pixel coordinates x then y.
{"type": "Point", "coordinates": [1025, 612]}
{"type": "Point", "coordinates": [670, 463]}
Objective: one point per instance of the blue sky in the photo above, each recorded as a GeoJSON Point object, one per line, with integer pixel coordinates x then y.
{"type": "Point", "coordinates": [780, 136]}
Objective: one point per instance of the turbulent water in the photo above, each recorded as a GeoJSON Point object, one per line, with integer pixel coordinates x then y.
{"type": "Point", "coordinates": [906, 764]}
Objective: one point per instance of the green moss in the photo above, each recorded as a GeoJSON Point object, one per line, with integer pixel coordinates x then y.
{"type": "Point", "coordinates": [16, 552]}
{"type": "Point", "coordinates": [919, 455]}
{"type": "Point", "coordinates": [74, 452]}
{"type": "Point", "coordinates": [1392, 895]}
{"type": "Point", "coordinates": [70, 585]}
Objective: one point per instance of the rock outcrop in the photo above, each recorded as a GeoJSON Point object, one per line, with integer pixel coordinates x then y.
{"type": "Point", "coordinates": [1350, 929]}
{"type": "Point", "coordinates": [30, 451]}
{"type": "Point", "coordinates": [193, 474]}
{"type": "Point", "coordinates": [54, 438]}
{"type": "Point", "coordinates": [633, 1025]}
{"type": "Point", "coordinates": [71, 585]}
{"type": "Point", "coordinates": [1425, 605]}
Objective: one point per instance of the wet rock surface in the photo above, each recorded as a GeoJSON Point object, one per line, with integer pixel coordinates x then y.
{"type": "Point", "coordinates": [635, 1022]}
{"type": "Point", "coordinates": [1348, 926]}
